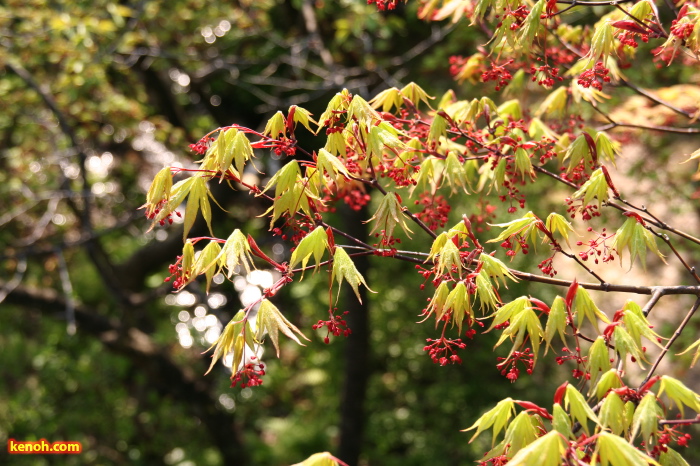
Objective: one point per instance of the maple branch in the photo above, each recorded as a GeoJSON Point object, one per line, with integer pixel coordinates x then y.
{"type": "Point", "coordinates": [673, 338]}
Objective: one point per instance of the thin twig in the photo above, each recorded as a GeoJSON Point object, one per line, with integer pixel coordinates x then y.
{"type": "Point", "coordinates": [675, 336]}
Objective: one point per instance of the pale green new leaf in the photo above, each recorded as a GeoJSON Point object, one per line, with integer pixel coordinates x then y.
{"type": "Point", "coordinates": [271, 321]}
{"type": "Point", "coordinates": [558, 224]}
{"type": "Point", "coordinates": [497, 417]}
{"type": "Point", "coordinates": [387, 99]}
{"type": "Point", "coordinates": [388, 215]}
{"type": "Point", "coordinates": [496, 269]}
{"type": "Point", "coordinates": [344, 268]}
{"type": "Point", "coordinates": [509, 310]}
{"type": "Point", "coordinates": [207, 262]}
{"type": "Point", "coordinates": [595, 188]}
{"type": "Point", "coordinates": [285, 178]}
{"type": "Point", "coordinates": [695, 346]}
{"type": "Point", "coordinates": [329, 166]}
{"type": "Point", "coordinates": [681, 395]}
{"type": "Point", "coordinates": [579, 408]}
{"type": "Point", "coordinates": [520, 433]}
{"type": "Point", "coordinates": [197, 200]}
{"type": "Point", "coordinates": [315, 243]}
{"type": "Point", "coordinates": [625, 345]}
{"type": "Point", "coordinates": [458, 302]}
{"type": "Point", "coordinates": [438, 302]}
{"type": "Point", "coordinates": [612, 413]}
{"type": "Point", "coordinates": [275, 126]}
{"type": "Point", "coordinates": [671, 457]}
{"type": "Point", "coordinates": [584, 307]}
{"type": "Point", "coordinates": [616, 451]}
{"type": "Point", "coordinates": [556, 322]}
{"type": "Point", "coordinates": [561, 422]}
{"type": "Point", "coordinates": [598, 360]}
{"type": "Point", "coordinates": [608, 381]}
{"type": "Point", "coordinates": [416, 94]}
{"type": "Point", "coordinates": [302, 116]}
{"type": "Point", "coordinates": [236, 251]}
{"type": "Point", "coordinates": [486, 292]}
{"type": "Point", "coordinates": [547, 450]}
{"type": "Point", "coordinates": [455, 173]}
{"type": "Point", "coordinates": [646, 419]}
{"type": "Point", "coordinates": [517, 226]}
{"type": "Point", "coordinates": [635, 238]}
{"type": "Point", "coordinates": [319, 459]}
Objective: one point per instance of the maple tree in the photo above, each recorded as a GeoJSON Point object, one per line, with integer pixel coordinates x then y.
{"type": "Point", "coordinates": [415, 155]}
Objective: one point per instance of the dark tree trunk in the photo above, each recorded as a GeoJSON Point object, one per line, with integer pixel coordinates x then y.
{"type": "Point", "coordinates": [356, 352]}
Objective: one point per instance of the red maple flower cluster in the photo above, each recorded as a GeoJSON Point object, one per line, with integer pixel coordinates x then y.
{"type": "Point", "coordinates": [595, 77]}
{"type": "Point", "coordinates": [443, 350]}
{"type": "Point", "coordinates": [249, 376]}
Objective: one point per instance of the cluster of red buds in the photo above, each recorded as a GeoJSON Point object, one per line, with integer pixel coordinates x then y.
{"type": "Point", "coordinates": [443, 351]}
{"type": "Point", "coordinates": [595, 77]}
{"type": "Point", "coordinates": [249, 376]}
{"type": "Point", "coordinates": [498, 73]}
{"type": "Point", "coordinates": [336, 325]}
{"type": "Point", "coordinates": [435, 211]}
{"type": "Point", "coordinates": [508, 366]}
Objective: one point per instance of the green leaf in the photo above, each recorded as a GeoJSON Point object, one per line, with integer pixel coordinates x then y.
{"type": "Point", "coordinates": [616, 451]}
{"type": "Point", "coordinates": [625, 345]}
{"type": "Point", "coordinates": [638, 327]}
{"type": "Point", "coordinates": [458, 302]}
{"type": "Point", "coordinates": [561, 422]}
{"type": "Point", "coordinates": [520, 433]}
{"type": "Point", "coordinates": [330, 166]}
{"type": "Point", "coordinates": [584, 307]}
{"type": "Point", "coordinates": [438, 129]}
{"type": "Point", "coordinates": [486, 291]}
{"type": "Point", "coordinates": [558, 224]}
{"type": "Point", "coordinates": [671, 457]}
{"type": "Point", "coordinates": [547, 450]}
{"type": "Point", "coordinates": [497, 417]}
{"type": "Point", "coordinates": [449, 258]}
{"type": "Point", "coordinates": [495, 269]}
{"type": "Point", "coordinates": [598, 360]}
{"type": "Point", "coordinates": [524, 323]}
{"type": "Point", "coordinates": [437, 303]}
{"type": "Point", "coordinates": [679, 394]}
{"type": "Point", "coordinates": [236, 251]}
{"type": "Point", "coordinates": [344, 268]}
{"type": "Point", "coordinates": [388, 215]}
{"type": "Point", "coordinates": [275, 126]}
{"type": "Point", "coordinates": [556, 322]}
{"type": "Point", "coordinates": [696, 347]}
{"type": "Point", "coordinates": [576, 152]}
{"type": "Point", "coordinates": [270, 321]}
{"type": "Point", "coordinates": [646, 420]}
{"type": "Point", "coordinates": [302, 116]}
{"type": "Point", "coordinates": [455, 173]}
{"type": "Point", "coordinates": [197, 200]}
{"type": "Point", "coordinates": [517, 226]}
{"type": "Point", "coordinates": [578, 407]}
{"type": "Point", "coordinates": [416, 94]}
{"type": "Point", "coordinates": [612, 413]}
{"type": "Point", "coordinates": [635, 238]}
{"type": "Point", "coordinates": [509, 310]}
{"type": "Point", "coordinates": [285, 178]}
{"type": "Point", "coordinates": [387, 99]}
{"type": "Point", "coordinates": [207, 262]}
{"type": "Point", "coordinates": [608, 381]}
{"type": "Point", "coordinates": [232, 340]}
{"type": "Point", "coordinates": [319, 459]}
{"type": "Point", "coordinates": [315, 243]}
{"type": "Point", "coordinates": [596, 187]}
